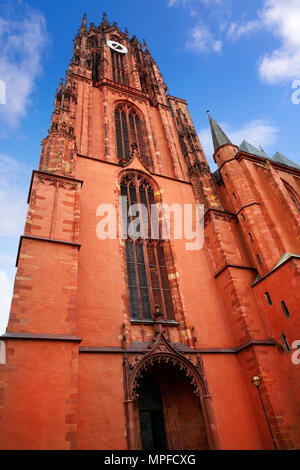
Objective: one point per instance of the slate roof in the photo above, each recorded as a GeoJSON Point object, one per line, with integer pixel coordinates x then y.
{"type": "Point", "coordinates": [278, 157]}
{"type": "Point", "coordinates": [249, 148]}
{"type": "Point", "coordinates": [220, 138]}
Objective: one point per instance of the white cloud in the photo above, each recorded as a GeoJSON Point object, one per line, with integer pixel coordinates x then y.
{"type": "Point", "coordinates": [282, 19]}
{"type": "Point", "coordinates": [193, 5]}
{"type": "Point", "coordinates": [236, 30]}
{"type": "Point", "coordinates": [202, 40]}
{"type": "Point", "coordinates": [258, 132]}
{"type": "Point", "coordinates": [200, 37]}
{"type": "Point", "coordinates": [14, 177]}
{"type": "Point", "coordinates": [22, 42]}
{"type": "Point", "coordinates": [6, 289]}
{"type": "Point", "coordinates": [184, 3]}
{"type": "Point", "coordinates": [7, 258]}
{"type": "Point", "coordinates": [172, 3]}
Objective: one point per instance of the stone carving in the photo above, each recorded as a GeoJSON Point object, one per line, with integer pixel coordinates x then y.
{"type": "Point", "coordinates": [161, 350]}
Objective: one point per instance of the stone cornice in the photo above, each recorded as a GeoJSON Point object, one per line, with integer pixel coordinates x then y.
{"type": "Point", "coordinates": [247, 205]}
{"type": "Point", "coordinates": [51, 175]}
{"type": "Point", "coordinates": [40, 337]}
{"type": "Point", "coordinates": [116, 164]}
{"type": "Point", "coordinates": [124, 89]}
{"type": "Point", "coordinates": [180, 347]}
{"type": "Point", "coordinates": [278, 266]}
{"type": "Point", "coordinates": [265, 161]}
{"type": "Point", "coordinates": [243, 155]}
{"type": "Point", "coordinates": [235, 266]}
{"type": "Point", "coordinates": [219, 213]}
{"type": "Point", "coordinates": [175, 98]}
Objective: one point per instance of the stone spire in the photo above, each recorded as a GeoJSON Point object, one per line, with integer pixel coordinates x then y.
{"type": "Point", "coordinates": [84, 22]}
{"type": "Point", "coordinates": [104, 20]}
{"type": "Point", "coordinates": [218, 135]}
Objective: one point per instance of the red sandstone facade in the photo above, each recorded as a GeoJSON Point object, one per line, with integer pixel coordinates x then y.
{"type": "Point", "coordinates": [80, 366]}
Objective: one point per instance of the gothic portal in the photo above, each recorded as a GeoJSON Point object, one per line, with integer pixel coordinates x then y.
{"type": "Point", "coordinates": [135, 341]}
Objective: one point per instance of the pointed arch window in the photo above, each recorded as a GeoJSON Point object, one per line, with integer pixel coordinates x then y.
{"type": "Point", "coordinates": [294, 197]}
{"type": "Point", "coordinates": [130, 134]}
{"type": "Point", "coordinates": [147, 273]}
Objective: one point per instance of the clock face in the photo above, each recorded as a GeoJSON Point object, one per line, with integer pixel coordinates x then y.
{"type": "Point", "coordinates": [116, 46]}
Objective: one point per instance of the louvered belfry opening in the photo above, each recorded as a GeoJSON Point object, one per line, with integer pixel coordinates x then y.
{"type": "Point", "coordinates": [131, 135]}
{"type": "Point", "coordinates": [118, 67]}
{"type": "Point", "coordinates": [147, 273]}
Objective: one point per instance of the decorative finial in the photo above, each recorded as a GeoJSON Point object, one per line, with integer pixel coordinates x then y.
{"type": "Point", "coordinates": [146, 47]}
{"type": "Point", "coordinates": [83, 24]}
{"type": "Point", "coordinates": [61, 84]}
{"type": "Point", "coordinates": [104, 18]}
{"type": "Point", "coordinates": [208, 111]}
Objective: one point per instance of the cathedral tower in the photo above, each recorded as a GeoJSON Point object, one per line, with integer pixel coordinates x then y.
{"type": "Point", "coordinates": [136, 342]}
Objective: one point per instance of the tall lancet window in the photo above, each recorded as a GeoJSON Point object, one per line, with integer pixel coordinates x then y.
{"type": "Point", "coordinates": [131, 135]}
{"type": "Point", "coordinates": [147, 274]}
{"type": "Point", "coordinates": [294, 197]}
{"type": "Point", "coordinates": [118, 67]}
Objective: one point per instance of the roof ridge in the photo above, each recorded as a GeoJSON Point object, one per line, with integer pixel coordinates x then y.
{"type": "Point", "coordinates": [280, 158]}
{"type": "Point", "coordinates": [249, 148]}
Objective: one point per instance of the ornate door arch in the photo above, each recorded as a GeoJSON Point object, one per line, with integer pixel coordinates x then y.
{"type": "Point", "coordinates": [161, 351]}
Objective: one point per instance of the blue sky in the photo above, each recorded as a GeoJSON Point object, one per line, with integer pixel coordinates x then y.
{"type": "Point", "coordinates": [239, 59]}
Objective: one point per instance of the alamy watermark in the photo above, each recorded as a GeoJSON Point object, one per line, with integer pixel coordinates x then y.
{"type": "Point", "coordinates": [296, 354]}
{"type": "Point", "coordinates": [159, 221]}
{"type": "Point", "coordinates": [2, 92]}
{"type": "Point", "coordinates": [296, 94]}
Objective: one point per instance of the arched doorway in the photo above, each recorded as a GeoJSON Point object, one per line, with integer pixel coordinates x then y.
{"type": "Point", "coordinates": [169, 412]}
{"type": "Point", "coordinates": [151, 419]}
{"type": "Point", "coordinates": [172, 388]}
